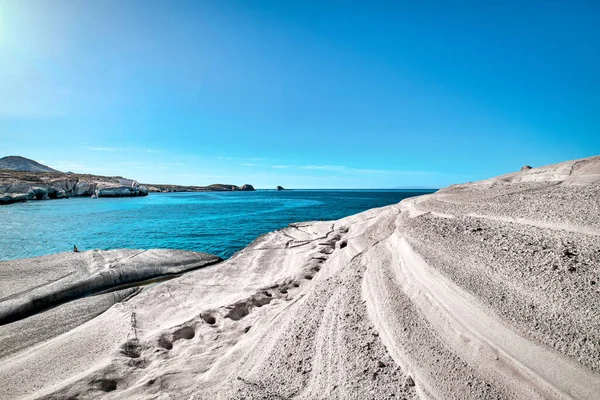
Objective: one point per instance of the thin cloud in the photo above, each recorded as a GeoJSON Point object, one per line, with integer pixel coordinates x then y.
{"type": "Point", "coordinates": [122, 149]}
{"type": "Point", "coordinates": [241, 158]}
{"type": "Point", "coordinates": [128, 164]}
{"type": "Point", "coordinates": [280, 166]}
{"type": "Point", "coordinates": [145, 150]}
{"type": "Point", "coordinates": [250, 165]}
{"type": "Point", "coordinates": [100, 148]}
{"type": "Point", "coordinates": [325, 167]}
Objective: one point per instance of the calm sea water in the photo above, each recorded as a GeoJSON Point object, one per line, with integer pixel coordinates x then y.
{"type": "Point", "coordinates": [218, 223]}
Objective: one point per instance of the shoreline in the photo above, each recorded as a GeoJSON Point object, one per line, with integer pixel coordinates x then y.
{"type": "Point", "coordinates": [28, 180]}
{"type": "Point", "coordinates": [461, 293]}
{"type": "Point", "coordinates": [192, 220]}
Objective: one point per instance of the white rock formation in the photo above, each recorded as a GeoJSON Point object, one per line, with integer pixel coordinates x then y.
{"type": "Point", "coordinates": [480, 291]}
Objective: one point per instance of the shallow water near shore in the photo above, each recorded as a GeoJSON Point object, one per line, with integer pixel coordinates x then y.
{"type": "Point", "coordinates": [219, 223]}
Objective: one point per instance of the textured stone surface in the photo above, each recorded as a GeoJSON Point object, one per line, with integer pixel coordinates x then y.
{"type": "Point", "coordinates": [487, 290]}
{"type": "Point", "coordinates": [22, 186]}
{"type": "Point", "coordinates": [30, 286]}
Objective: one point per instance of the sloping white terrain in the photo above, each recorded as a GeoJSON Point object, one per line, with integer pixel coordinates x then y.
{"type": "Point", "coordinates": [487, 290]}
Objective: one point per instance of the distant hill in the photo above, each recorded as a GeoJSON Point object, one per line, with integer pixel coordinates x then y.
{"type": "Point", "coordinates": [22, 179]}
{"type": "Point", "coordinates": [18, 163]}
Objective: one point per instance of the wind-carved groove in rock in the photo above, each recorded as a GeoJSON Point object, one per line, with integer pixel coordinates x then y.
{"type": "Point", "coordinates": [106, 385]}
{"type": "Point", "coordinates": [99, 279]}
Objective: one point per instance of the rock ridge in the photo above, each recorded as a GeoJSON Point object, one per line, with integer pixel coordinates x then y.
{"type": "Point", "coordinates": [17, 186]}
{"type": "Point", "coordinates": [484, 290]}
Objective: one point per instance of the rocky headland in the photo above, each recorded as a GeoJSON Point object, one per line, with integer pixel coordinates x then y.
{"type": "Point", "coordinates": [485, 290]}
{"type": "Point", "coordinates": [16, 186]}
{"type": "Point", "coordinates": [217, 187]}
{"type": "Point", "coordinates": [22, 179]}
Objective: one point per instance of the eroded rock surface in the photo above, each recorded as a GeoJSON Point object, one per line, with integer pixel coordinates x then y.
{"type": "Point", "coordinates": [30, 286]}
{"type": "Point", "coordinates": [17, 186]}
{"type": "Point", "coordinates": [487, 290]}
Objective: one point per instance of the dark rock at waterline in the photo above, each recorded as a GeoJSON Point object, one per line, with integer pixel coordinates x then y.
{"type": "Point", "coordinates": [121, 191]}
{"type": "Point", "coordinates": [280, 188]}
{"type": "Point", "coordinates": [8, 198]}
{"type": "Point", "coordinates": [217, 187]}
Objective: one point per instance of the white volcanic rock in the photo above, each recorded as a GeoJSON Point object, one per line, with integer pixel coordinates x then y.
{"type": "Point", "coordinates": [576, 172]}
{"type": "Point", "coordinates": [30, 286]}
{"type": "Point", "coordinates": [23, 179]}
{"type": "Point", "coordinates": [105, 190]}
{"type": "Point", "coordinates": [40, 193]}
{"type": "Point", "coordinates": [481, 291]}
{"type": "Point", "coordinates": [84, 188]}
{"type": "Point", "coordinates": [41, 327]}
{"type": "Point", "coordinates": [13, 192]}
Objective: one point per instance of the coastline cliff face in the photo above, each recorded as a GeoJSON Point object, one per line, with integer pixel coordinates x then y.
{"type": "Point", "coordinates": [484, 290]}
{"type": "Point", "coordinates": [22, 179]}
{"type": "Point", "coordinates": [217, 187]}
{"type": "Point", "coordinates": [16, 186]}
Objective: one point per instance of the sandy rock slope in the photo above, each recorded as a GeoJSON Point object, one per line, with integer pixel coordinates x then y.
{"type": "Point", "coordinates": [486, 290]}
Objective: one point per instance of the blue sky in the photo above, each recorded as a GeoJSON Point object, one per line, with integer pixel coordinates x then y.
{"type": "Point", "coordinates": [303, 94]}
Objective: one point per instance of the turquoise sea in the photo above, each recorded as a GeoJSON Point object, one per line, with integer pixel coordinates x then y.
{"type": "Point", "coordinates": [220, 223]}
